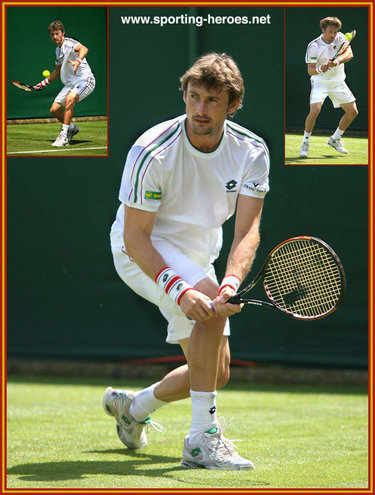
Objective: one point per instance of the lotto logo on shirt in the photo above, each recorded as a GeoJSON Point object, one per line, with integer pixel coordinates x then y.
{"type": "Point", "coordinates": [231, 185]}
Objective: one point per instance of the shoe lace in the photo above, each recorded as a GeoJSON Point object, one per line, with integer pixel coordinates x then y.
{"type": "Point", "coordinates": [153, 424]}
{"type": "Point", "coordinates": [230, 444]}
{"type": "Point", "coordinates": [220, 446]}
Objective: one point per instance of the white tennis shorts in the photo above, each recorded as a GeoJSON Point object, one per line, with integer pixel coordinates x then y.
{"type": "Point", "coordinates": [338, 94]}
{"type": "Point", "coordinates": [83, 88]}
{"type": "Point", "coordinates": [179, 326]}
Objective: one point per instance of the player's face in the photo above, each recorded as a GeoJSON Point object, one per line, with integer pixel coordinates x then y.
{"type": "Point", "coordinates": [329, 34]}
{"type": "Point", "coordinates": [206, 110]}
{"type": "Point", "coordinates": [57, 37]}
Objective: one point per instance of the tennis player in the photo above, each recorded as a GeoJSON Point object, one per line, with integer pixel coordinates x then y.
{"type": "Point", "coordinates": [182, 180]}
{"type": "Point", "coordinates": [328, 79]}
{"type": "Point", "coordinates": [79, 82]}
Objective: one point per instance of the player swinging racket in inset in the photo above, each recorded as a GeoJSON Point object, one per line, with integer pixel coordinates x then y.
{"type": "Point", "coordinates": [77, 77]}
{"type": "Point", "coordinates": [326, 56]}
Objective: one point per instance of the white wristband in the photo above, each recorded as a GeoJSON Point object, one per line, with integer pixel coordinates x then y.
{"type": "Point", "coordinates": [337, 62]}
{"type": "Point", "coordinates": [172, 284]}
{"type": "Point", "coordinates": [318, 69]}
{"type": "Point", "coordinates": [79, 60]}
{"type": "Point", "coordinates": [231, 281]}
{"type": "Point", "coordinates": [45, 81]}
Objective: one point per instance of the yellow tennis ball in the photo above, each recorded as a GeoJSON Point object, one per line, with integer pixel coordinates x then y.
{"type": "Point", "coordinates": [46, 73]}
{"type": "Point", "coordinates": [348, 36]}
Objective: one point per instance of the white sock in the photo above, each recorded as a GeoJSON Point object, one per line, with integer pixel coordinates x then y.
{"type": "Point", "coordinates": [306, 136]}
{"type": "Point", "coordinates": [145, 403]}
{"type": "Point", "coordinates": [65, 128]}
{"type": "Point", "coordinates": [204, 416]}
{"type": "Point", "coordinates": [337, 134]}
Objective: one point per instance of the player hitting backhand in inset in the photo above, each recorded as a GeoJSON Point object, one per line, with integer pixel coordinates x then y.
{"type": "Point", "coordinates": [328, 79]}
{"type": "Point", "coordinates": [77, 77]}
{"type": "Point", "coordinates": [182, 180]}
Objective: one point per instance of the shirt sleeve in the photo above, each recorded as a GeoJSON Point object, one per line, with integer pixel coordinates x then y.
{"type": "Point", "coordinates": [255, 179]}
{"type": "Point", "coordinates": [141, 180]}
{"type": "Point", "coordinates": [311, 53]}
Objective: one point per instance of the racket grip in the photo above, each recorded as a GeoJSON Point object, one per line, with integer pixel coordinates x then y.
{"type": "Point", "coordinates": [236, 299]}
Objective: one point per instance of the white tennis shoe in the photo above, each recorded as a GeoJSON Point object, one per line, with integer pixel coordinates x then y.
{"type": "Point", "coordinates": [73, 132]}
{"type": "Point", "coordinates": [116, 403]}
{"type": "Point", "coordinates": [61, 141]}
{"type": "Point", "coordinates": [337, 144]}
{"type": "Point", "coordinates": [304, 150]}
{"type": "Point", "coordinates": [214, 451]}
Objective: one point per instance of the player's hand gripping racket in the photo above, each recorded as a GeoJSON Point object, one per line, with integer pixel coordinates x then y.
{"type": "Point", "coordinates": [25, 87]}
{"type": "Point", "coordinates": [344, 45]}
{"type": "Point", "coordinates": [303, 278]}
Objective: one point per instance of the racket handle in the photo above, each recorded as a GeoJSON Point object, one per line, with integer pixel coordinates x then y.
{"type": "Point", "coordinates": [236, 299]}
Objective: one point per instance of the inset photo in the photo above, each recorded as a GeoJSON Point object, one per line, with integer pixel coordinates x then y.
{"type": "Point", "coordinates": [57, 101]}
{"type": "Point", "coordinates": [326, 86]}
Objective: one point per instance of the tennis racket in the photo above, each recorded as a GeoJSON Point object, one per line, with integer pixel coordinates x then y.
{"type": "Point", "coordinates": [25, 87]}
{"type": "Point", "coordinates": [344, 45]}
{"type": "Point", "coordinates": [303, 278]}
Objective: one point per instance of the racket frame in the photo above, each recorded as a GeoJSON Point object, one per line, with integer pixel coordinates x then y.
{"type": "Point", "coordinates": [24, 86]}
{"type": "Point", "coordinates": [339, 52]}
{"type": "Point", "coordinates": [238, 299]}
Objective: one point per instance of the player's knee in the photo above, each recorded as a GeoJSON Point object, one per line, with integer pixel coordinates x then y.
{"type": "Point", "coordinates": [53, 110]}
{"type": "Point", "coordinates": [69, 103]}
{"type": "Point", "coordinates": [314, 112]}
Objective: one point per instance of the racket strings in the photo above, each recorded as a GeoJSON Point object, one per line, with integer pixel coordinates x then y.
{"type": "Point", "coordinates": [304, 278]}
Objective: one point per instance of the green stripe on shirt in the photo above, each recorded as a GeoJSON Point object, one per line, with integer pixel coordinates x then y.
{"type": "Point", "coordinates": [145, 157]}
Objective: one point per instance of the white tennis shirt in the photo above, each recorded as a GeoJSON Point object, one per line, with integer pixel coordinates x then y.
{"type": "Point", "coordinates": [319, 52]}
{"type": "Point", "coordinates": [66, 52]}
{"type": "Point", "coordinates": [193, 192]}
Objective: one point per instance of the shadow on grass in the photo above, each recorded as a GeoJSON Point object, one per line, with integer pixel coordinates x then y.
{"type": "Point", "coordinates": [305, 161]}
{"type": "Point", "coordinates": [131, 463]}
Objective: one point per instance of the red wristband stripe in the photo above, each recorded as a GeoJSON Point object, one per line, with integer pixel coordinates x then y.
{"type": "Point", "coordinates": [182, 293]}
{"type": "Point", "coordinates": [173, 281]}
{"type": "Point", "coordinates": [161, 271]}
{"type": "Point", "coordinates": [226, 285]}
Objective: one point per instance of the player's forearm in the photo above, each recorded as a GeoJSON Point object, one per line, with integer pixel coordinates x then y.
{"type": "Point", "coordinates": [242, 254]}
{"type": "Point", "coordinates": [54, 75]}
{"type": "Point", "coordinates": [139, 247]}
{"type": "Point", "coordinates": [82, 52]}
{"type": "Point", "coordinates": [343, 59]}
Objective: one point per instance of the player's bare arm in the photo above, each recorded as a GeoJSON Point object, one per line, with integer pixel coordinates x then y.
{"type": "Point", "coordinates": [137, 237]}
{"type": "Point", "coordinates": [345, 57]}
{"type": "Point", "coordinates": [52, 77]}
{"type": "Point", "coordinates": [244, 246]}
{"type": "Point", "coordinates": [314, 69]}
{"type": "Point", "coordinates": [82, 53]}
{"type": "Point", "coordinates": [55, 74]}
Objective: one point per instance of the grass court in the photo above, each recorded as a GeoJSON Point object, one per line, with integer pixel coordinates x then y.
{"type": "Point", "coordinates": [36, 139]}
{"type": "Point", "coordinates": [298, 436]}
{"type": "Point", "coordinates": [322, 154]}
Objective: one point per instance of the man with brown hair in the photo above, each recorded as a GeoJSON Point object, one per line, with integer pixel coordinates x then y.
{"type": "Point", "coordinates": [328, 79]}
{"type": "Point", "coordinates": [79, 81]}
{"type": "Point", "coordinates": [182, 180]}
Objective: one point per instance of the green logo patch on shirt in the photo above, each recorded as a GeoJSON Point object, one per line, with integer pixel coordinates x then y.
{"type": "Point", "coordinates": [152, 195]}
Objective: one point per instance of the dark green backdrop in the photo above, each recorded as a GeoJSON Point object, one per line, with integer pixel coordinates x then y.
{"type": "Point", "coordinates": [301, 27]}
{"type": "Point", "coordinates": [64, 297]}
{"type": "Point", "coordinates": [30, 51]}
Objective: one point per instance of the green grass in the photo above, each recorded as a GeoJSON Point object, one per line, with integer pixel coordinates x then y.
{"type": "Point", "coordinates": [321, 153]}
{"type": "Point", "coordinates": [36, 139]}
{"type": "Point", "coordinates": [297, 437]}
